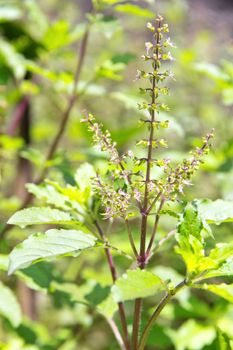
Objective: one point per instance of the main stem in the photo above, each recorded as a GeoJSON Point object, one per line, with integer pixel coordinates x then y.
{"type": "Point", "coordinates": [144, 211]}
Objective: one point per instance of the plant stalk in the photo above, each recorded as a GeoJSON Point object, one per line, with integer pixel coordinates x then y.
{"type": "Point", "coordinates": [121, 307]}
{"type": "Point", "coordinates": [164, 301]}
{"type": "Point", "coordinates": [142, 259]}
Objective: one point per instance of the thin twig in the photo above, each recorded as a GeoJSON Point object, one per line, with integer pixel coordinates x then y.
{"type": "Point", "coordinates": [131, 238]}
{"type": "Point", "coordinates": [112, 268]}
{"type": "Point", "coordinates": [157, 217]}
{"type": "Point", "coordinates": [116, 333]}
{"type": "Point", "coordinates": [153, 203]}
{"type": "Point", "coordinates": [163, 240]}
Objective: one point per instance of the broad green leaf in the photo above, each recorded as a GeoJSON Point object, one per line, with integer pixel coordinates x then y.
{"type": "Point", "coordinates": [216, 212]}
{"type": "Point", "coordinates": [110, 70]}
{"type": "Point", "coordinates": [83, 175]}
{"type": "Point", "coordinates": [49, 194]}
{"type": "Point", "coordinates": [9, 13]}
{"type": "Point", "coordinates": [223, 290]}
{"type": "Point", "coordinates": [9, 306]}
{"type": "Point", "coordinates": [136, 284]}
{"type": "Point", "coordinates": [135, 10]}
{"type": "Point", "coordinates": [12, 59]}
{"type": "Point", "coordinates": [108, 307]}
{"type": "Point", "coordinates": [212, 71]}
{"type": "Point", "coordinates": [192, 336]}
{"type": "Point", "coordinates": [37, 216]}
{"type": "Point", "coordinates": [225, 269]}
{"type": "Point", "coordinates": [47, 245]}
{"type": "Point", "coordinates": [91, 293]}
{"type": "Point", "coordinates": [34, 156]}
{"type": "Point", "coordinates": [38, 276]}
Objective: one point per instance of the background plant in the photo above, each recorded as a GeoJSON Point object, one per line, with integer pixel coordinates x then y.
{"type": "Point", "coordinates": [216, 164]}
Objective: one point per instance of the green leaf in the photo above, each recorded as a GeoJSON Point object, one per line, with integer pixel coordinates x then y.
{"type": "Point", "coordinates": [37, 216]}
{"type": "Point", "coordinates": [52, 243]}
{"type": "Point", "coordinates": [224, 341]}
{"type": "Point", "coordinates": [136, 284]}
{"type": "Point", "coordinates": [212, 71]}
{"type": "Point", "coordinates": [12, 59]}
{"type": "Point", "coordinates": [57, 35]}
{"type": "Point", "coordinates": [216, 212]}
{"type": "Point", "coordinates": [192, 335]}
{"type": "Point", "coordinates": [189, 225]}
{"type": "Point", "coordinates": [9, 13]}
{"type": "Point", "coordinates": [227, 96]}
{"type": "Point", "coordinates": [135, 10]}
{"type": "Point", "coordinates": [83, 176]}
{"type": "Point", "coordinates": [190, 240]}
{"type": "Point", "coordinates": [49, 194]}
{"type": "Point", "coordinates": [9, 306]}
{"type": "Point", "coordinates": [223, 290]}
{"type": "Point", "coordinates": [91, 293]}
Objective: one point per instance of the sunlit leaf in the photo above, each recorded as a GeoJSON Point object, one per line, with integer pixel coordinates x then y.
{"type": "Point", "coordinates": [47, 245]}
{"type": "Point", "coordinates": [186, 336]}
{"type": "Point", "coordinates": [223, 290]}
{"type": "Point", "coordinates": [215, 212]}
{"type": "Point", "coordinates": [134, 10]}
{"type": "Point", "coordinates": [9, 13]}
{"type": "Point", "coordinates": [136, 284]}
{"type": "Point", "coordinates": [37, 216]}
{"type": "Point", "coordinates": [12, 59]}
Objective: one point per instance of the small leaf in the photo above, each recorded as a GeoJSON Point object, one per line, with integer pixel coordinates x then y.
{"type": "Point", "coordinates": [37, 216]}
{"type": "Point", "coordinates": [47, 245]}
{"type": "Point", "coordinates": [136, 284]}
{"type": "Point", "coordinates": [9, 306]}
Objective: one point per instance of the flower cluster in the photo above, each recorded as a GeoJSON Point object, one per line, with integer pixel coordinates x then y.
{"type": "Point", "coordinates": [115, 202]}
{"type": "Point", "coordinates": [139, 184]}
{"type": "Point", "coordinates": [180, 176]}
{"type": "Point", "coordinates": [102, 139]}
